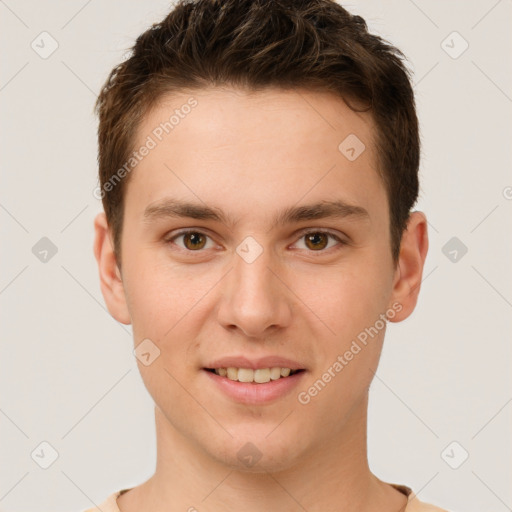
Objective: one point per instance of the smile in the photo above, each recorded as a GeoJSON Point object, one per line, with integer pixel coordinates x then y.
{"type": "Point", "coordinates": [259, 376]}
{"type": "Point", "coordinates": [254, 387]}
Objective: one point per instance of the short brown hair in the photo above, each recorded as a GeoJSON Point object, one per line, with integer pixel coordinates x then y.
{"type": "Point", "coordinates": [254, 44]}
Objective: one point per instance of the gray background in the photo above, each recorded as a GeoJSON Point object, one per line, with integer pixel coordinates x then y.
{"type": "Point", "coordinates": [68, 376]}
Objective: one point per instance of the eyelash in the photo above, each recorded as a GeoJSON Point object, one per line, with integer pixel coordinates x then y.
{"type": "Point", "coordinates": [302, 234]}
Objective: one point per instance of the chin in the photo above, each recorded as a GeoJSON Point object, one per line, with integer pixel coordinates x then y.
{"type": "Point", "coordinates": [257, 454]}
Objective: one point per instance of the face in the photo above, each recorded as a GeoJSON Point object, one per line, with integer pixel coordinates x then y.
{"type": "Point", "coordinates": [252, 240]}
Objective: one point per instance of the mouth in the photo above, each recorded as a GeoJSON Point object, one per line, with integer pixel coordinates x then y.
{"type": "Point", "coordinates": [260, 386]}
{"type": "Point", "coordinates": [257, 376]}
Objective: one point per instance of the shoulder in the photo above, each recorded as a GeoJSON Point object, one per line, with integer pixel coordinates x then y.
{"type": "Point", "coordinates": [109, 504]}
{"type": "Point", "coordinates": [414, 504]}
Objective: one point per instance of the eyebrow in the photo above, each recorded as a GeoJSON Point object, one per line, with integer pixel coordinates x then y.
{"type": "Point", "coordinates": [174, 208]}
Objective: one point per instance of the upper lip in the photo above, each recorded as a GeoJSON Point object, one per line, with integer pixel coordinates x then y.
{"type": "Point", "coordinates": [261, 362]}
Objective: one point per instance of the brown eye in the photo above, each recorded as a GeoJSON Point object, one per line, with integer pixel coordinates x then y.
{"type": "Point", "coordinates": [317, 241]}
{"type": "Point", "coordinates": [320, 241]}
{"type": "Point", "coordinates": [190, 241]}
{"type": "Point", "coordinates": [193, 240]}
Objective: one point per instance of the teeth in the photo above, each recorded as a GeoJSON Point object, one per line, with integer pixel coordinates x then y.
{"type": "Point", "coordinates": [261, 375]}
{"type": "Point", "coordinates": [245, 375]}
{"type": "Point", "coordinates": [232, 373]}
{"type": "Point", "coordinates": [275, 373]}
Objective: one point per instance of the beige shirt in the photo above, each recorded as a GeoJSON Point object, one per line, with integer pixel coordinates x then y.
{"type": "Point", "coordinates": [413, 503]}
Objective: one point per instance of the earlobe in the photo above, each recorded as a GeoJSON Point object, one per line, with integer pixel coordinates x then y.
{"type": "Point", "coordinates": [110, 277]}
{"type": "Point", "coordinates": [409, 272]}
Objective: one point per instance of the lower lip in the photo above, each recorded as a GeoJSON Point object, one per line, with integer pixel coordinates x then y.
{"type": "Point", "coordinates": [251, 393]}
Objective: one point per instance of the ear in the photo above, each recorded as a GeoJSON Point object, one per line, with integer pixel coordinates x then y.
{"type": "Point", "coordinates": [110, 276]}
{"type": "Point", "coordinates": [409, 271]}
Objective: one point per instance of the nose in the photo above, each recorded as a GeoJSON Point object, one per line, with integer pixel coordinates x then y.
{"type": "Point", "coordinates": [254, 298]}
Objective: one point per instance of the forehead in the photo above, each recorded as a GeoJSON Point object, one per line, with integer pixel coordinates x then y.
{"type": "Point", "coordinates": [221, 144]}
{"type": "Point", "coordinates": [235, 112]}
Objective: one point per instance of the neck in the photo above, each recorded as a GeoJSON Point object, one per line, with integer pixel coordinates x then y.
{"type": "Point", "coordinates": [333, 475]}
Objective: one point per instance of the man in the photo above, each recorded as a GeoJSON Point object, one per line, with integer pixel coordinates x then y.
{"type": "Point", "coordinates": [258, 164]}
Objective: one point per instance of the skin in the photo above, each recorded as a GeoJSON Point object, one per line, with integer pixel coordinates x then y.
{"type": "Point", "coordinates": [252, 155]}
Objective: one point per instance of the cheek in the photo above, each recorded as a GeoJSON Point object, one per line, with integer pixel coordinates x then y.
{"type": "Point", "coordinates": [158, 289]}
{"type": "Point", "coordinates": [350, 298]}
{"type": "Point", "coordinates": [158, 297]}
{"type": "Point", "coordinates": [165, 306]}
